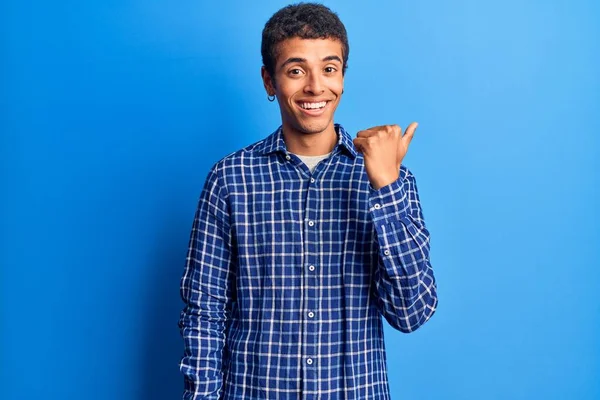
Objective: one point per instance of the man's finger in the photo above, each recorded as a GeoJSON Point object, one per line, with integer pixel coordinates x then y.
{"type": "Point", "coordinates": [365, 133]}
{"type": "Point", "coordinates": [409, 133]}
{"type": "Point", "coordinates": [371, 131]}
{"type": "Point", "coordinates": [358, 144]}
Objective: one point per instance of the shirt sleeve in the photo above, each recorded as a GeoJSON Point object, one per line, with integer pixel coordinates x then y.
{"type": "Point", "coordinates": [404, 283]}
{"type": "Point", "coordinates": [206, 290]}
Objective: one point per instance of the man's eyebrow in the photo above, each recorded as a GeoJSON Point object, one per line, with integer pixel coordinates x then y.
{"type": "Point", "coordinates": [333, 58]}
{"type": "Point", "coordinates": [293, 60]}
{"type": "Point", "coordinates": [302, 60]}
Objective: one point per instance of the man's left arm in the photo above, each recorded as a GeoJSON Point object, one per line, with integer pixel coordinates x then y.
{"type": "Point", "coordinates": [404, 281]}
{"type": "Point", "coordinates": [405, 286]}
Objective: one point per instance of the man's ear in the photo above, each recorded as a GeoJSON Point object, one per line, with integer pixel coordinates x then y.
{"type": "Point", "coordinates": [267, 81]}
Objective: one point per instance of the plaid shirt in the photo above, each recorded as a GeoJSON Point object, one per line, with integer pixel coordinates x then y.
{"type": "Point", "coordinates": [288, 273]}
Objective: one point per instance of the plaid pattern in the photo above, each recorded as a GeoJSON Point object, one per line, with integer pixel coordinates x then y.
{"type": "Point", "coordinates": [288, 274]}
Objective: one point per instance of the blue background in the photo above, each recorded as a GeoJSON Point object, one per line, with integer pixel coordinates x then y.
{"type": "Point", "coordinates": [112, 113]}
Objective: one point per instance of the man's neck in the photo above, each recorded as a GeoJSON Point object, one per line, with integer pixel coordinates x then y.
{"type": "Point", "coordinates": [310, 144]}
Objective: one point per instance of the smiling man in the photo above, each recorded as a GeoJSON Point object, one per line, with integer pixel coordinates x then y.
{"type": "Point", "coordinates": [303, 241]}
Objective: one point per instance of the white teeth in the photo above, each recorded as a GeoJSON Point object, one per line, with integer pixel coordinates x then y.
{"type": "Point", "coordinates": [313, 105]}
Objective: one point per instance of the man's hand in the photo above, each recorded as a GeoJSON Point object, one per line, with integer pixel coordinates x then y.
{"type": "Point", "coordinates": [384, 148]}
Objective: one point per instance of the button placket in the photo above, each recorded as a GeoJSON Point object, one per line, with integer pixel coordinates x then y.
{"type": "Point", "coordinates": [311, 249]}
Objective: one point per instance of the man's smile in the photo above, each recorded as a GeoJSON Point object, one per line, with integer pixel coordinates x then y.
{"type": "Point", "coordinates": [313, 108]}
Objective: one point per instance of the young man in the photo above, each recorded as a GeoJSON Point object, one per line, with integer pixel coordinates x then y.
{"type": "Point", "coordinates": [303, 240]}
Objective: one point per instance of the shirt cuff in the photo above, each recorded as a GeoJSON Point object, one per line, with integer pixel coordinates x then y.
{"type": "Point", "coordinates": [389, 203]}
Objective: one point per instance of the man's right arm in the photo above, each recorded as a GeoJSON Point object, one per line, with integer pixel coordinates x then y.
{"type": "Point", "coordinates": [206, 289]}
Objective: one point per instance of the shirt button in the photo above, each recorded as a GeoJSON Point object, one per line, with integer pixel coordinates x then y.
{"type": "Point", "coordinates": [311, 223]}
{"type": "Point", "coordinates": [387, 252]}
{"type": "Point", "coordinates": [309, 361]}
{"type": "Point", "coordinates": [312, 180]}
{"type": "Point", "coordinates": [311, 314]}
{"type": "Point", "coordinates": [311, 268]}
{"type": "Point", "coordinates": [287, 157]}
{"type": "Point", "coordinates": [377, 206]}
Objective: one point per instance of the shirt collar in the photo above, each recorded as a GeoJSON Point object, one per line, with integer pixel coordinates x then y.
{"type": "Point", "coordinates": [275, 143]}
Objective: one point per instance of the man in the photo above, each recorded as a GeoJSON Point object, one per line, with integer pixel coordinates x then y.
{"type": "Point", "coordinates": [303, 240]}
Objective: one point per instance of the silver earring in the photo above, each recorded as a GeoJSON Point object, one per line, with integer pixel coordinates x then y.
{"type": "Point", "coordinates": [271, 97]}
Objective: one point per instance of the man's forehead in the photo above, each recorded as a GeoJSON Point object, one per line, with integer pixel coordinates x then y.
{"type": "Point", "coordinates": [309, 49]}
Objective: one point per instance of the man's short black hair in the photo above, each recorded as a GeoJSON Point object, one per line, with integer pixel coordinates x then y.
{"type": "Point", "coordinates": [303, 20]}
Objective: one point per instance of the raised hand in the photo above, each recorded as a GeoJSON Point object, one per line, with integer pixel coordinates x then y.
{"type": "Point", "coordinates": [384, 148]}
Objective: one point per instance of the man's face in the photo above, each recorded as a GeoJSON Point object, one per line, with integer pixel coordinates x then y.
{"type": "Point", "coordinates": [308, 83]}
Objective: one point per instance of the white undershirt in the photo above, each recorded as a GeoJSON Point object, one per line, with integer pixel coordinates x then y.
{"type": "Point", "coordinates": [312, 161]}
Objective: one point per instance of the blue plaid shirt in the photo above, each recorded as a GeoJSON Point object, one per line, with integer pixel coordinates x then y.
{"type": "Point", "coordinates": [288, 273]}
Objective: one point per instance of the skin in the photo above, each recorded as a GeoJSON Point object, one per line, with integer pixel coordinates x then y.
{"type": "Point", "coordinates": [384, 148]}
{"type": "Point", "coordinates": [307, 70]}
{"type": "Point", "coordinates": [310, 71]}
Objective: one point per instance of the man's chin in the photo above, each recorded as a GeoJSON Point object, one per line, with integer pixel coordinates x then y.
{"type": "Point", "coordinates": [314, 129]}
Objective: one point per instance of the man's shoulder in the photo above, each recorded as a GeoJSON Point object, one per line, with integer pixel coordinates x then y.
{"type": "Point", "coordinates": [246, 156]}
{"type": "Point", "coordinates": [252, 150]}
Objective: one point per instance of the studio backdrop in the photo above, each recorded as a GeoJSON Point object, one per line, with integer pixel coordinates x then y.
{"type": "Point", "coordinates": [112, 113]}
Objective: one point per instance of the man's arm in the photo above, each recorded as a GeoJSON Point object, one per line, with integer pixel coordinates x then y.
{"type": "Point", "coordinates": [404, 282]}
{"type": "Point", "coordinates": [206, 289]}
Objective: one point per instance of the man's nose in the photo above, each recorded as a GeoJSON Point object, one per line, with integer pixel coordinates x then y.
{"type": "Point", "coordinates": [314, 84]}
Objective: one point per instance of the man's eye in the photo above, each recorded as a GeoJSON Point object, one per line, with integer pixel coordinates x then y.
{"type": "Point", "coordinates": [330, 69]}
{"type": "Point", "coordinates": [295, 71]}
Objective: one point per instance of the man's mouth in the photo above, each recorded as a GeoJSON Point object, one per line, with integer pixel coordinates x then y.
{"type": "Point", "coordinates": [313, 106]}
